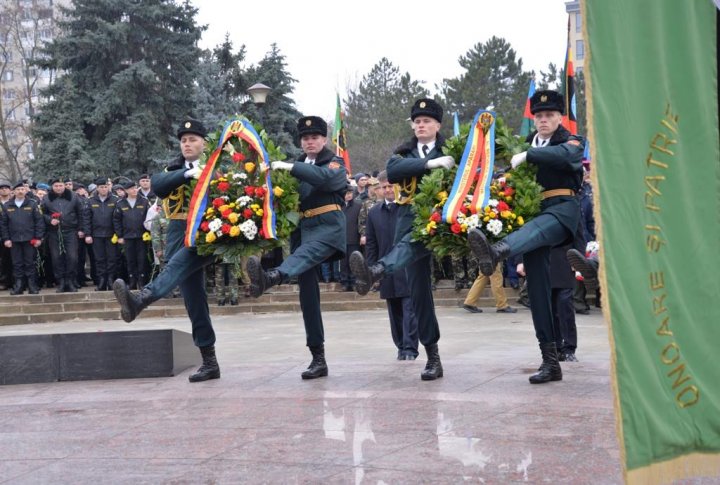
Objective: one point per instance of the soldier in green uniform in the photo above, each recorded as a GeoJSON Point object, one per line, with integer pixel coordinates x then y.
{"type": "Point", "coordinates": [558, 157]}
{"type": "Point", "coordinates": [321, 235]}
{"type": "Point", "coordinates": [407, 166]}
{"type": "Point", "coordinates": [184, 266]}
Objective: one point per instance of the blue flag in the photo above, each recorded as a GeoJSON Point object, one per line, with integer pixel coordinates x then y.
{"type": "Point", "coordinates": [456, 124]}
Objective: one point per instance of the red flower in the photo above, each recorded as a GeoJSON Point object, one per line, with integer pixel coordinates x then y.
{"type": "Point", "coordinates": [465, 210]}
{"type": "Point", "coordinates": [56, 215]}
{"type": "Point", "coordinates": [238, 157]}
{"type": "Point", "coordinates": [259, 192]}
{"type": "Point", "coordinates": [225, 228]}
{"type": "Point", "coordinates": [502, 206]}
{"type": "Point", "coordinates": [261, 233]}
{"type": "Point", "coordinates": [509, 191]}
{"type": "Point", "coordinates": [205, 226]}
{"type": "Point", "coordinates": [34, 241]}
{"type": "Point", "coordinates": [226, 213]}
{"type": "Point", "coordinates": [456, 228]}
{"type": "Point", "coordinates": [223, 187]}
{"type": "Point", "coordinates": [218, 202]}
{"type": "Point", "coordinates": [435, 217]}
{"type": "Point", "coordinates": [250, 190]}
{"type": "Point", "coordinates": [247, 213]}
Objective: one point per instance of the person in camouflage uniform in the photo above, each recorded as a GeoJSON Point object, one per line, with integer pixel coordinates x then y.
{"type": "Point", "coordinates": [226, 284]}
{"type": "Point", "coordinates": [368, 204]}
{"type": "Point", "coordinates": [465, 270]}
{"type": "Point", "coordinates": [158, 237]}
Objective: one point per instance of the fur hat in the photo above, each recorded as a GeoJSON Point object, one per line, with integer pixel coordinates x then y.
{"type": "Point", "coordinates": [311, 125]}
{"type": "Point", "coordinates": [190, 125]}
{"type": "Point", "coordinates": [547, 100]}
{"type": "Point", "coordinates": [426, 107]}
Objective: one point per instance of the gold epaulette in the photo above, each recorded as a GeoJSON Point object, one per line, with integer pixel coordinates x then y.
{"type": "Point", "coordinates": [404, 192]}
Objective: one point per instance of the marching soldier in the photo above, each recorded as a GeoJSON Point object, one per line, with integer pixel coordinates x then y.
{"type": "Point", "coordinates": [407, 166]}
{"type": "Point", "coordinates": [320, 237]}
{"type": "Point", "coordinates": [22, 228]}
{"type": "Point", "coordinates": [558, 157]}
{"type": "Point", "coordinates": [184, 266]}
{"type": "Point", "coordinates": [128, 221]}
{"type": "Point", "coordinates": [99, 221]}
{"type": "Point", "coordinates": [63, 215]}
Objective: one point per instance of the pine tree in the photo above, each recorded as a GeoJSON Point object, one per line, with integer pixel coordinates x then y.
{"type": "Point", "coordinates": [376, 112]}
{"type": "Point", "coordinates": [128, 77]}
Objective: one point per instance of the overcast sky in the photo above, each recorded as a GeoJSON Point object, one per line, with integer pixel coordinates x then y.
{"type": "Point", "coordinates": [330, 45]}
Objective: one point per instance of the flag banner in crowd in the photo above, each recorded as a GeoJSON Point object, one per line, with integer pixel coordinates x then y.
{"type": "Point", "coordinates": [456, 124]}
{"type": "Point", "coordinates": [528, 121]}
{"type": "Point", "coordinates": [475, 167]}
{"type": "Point", "coordinates": [244, 130]}
{"type": "Point", "coordinates": [569, 120]}
{"type": "Point", "coordinates": [339, 137]}
{"type": "Point", "coordinates": [652, 72]}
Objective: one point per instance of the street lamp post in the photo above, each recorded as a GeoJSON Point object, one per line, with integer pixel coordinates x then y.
{"type": "Point", "coordinates": [258, 92]}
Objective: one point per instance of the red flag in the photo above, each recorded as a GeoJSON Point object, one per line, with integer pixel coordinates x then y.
{"type": "Point", "coordinates": [339, 136]}
{"type": "Point", "coordinates": [569, 119]}
{"type": "Point", "coordinates": [528, 118]}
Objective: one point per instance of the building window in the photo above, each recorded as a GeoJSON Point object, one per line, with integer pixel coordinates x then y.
{"type": "Point", "coordinates": [8, 76]}
{"type": "Point", "coordinates": [9, 94]}
{"type": "Point", "coordinates": [578, 22]}
{"type": "Point", "coordinates": [9, 114]}
{"type": "Point", "coordinates": [579, 49]}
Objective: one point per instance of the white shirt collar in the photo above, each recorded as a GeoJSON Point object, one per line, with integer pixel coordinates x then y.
{"type": "Point", "coordinates": [430, 146]}
{"type": "Point", "coordinates": [540, 142]}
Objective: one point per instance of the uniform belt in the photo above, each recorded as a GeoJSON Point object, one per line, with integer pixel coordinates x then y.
{"type": "Point", "coordinates": [556, 192]}
{"type": "Point", "coordinates": [323, 209]}
{"type": "Point", "coordinates": [182, 216]}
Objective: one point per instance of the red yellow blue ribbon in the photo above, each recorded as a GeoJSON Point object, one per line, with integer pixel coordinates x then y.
{"type": "Point", "coordinates": [198, 203]}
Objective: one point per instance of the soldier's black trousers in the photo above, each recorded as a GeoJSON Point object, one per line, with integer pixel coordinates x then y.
{"type": "Point", "coordinates": [64, 252]}
{"type": "Point", "coordinates": [105, 257]}
{"type": "Point", "coordinates": [23, 259]}
{"type": "Point", "coordinates": [136, 256]}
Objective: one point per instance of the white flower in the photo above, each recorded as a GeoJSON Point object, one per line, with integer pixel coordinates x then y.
{"type": "Point", "coordinates": [243, 201]}
{"type": "Point", "coordinates": [473, 221]}
{"type": "Point", "coordinates": [501, 180]}
{"type": "Point", "coordinates": [494, 226]}
{"type": "Point", "coordinates": [249, 229]}
{"type": "Point", "coordinates": [239, 176]}
{"type": "Point", "coordinates": [215, 225]}
{"type": "Point", "coordinates": [493, 202]}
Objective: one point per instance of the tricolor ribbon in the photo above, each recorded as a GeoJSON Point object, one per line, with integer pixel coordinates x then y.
{"type": "Point", "coordinates": [244, 130]}
{"type": "Point", "coordinates": [476, 165]}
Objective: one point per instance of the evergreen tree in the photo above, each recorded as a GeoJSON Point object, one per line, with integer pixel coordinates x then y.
{"type": "Point", "coordinates": [493, 76]}
{"type": "Point", "coordinates": [376, 112]}
{"type": "Point", "coordinates": [129, 68]}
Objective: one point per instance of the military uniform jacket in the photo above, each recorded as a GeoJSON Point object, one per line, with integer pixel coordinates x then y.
{"type": "Point", "coordinates": [351, 210]}
{"type": "Point", "coordinates": [99, 216]}
{"type": "Point", "coordinates": [128, 220]}
{"type": "Point", "coordinates": [321, 184]}
{"type": "Point", "coordinates": [406, 168]}
{"type": "Point", "coordinates": [559, 166]}
{"type": "Point", "coordinates": [70, 208]}
{"type": "Point", "coordinates": [170, 186]}
{"type": "Point", "coordinates": [21, 224]}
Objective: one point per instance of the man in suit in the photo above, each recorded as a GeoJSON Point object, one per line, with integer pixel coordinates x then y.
{"type": "Point", "coordinates": [394, 289]}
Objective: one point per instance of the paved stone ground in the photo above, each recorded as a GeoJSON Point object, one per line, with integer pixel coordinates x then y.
{"type": "Point", "coordinates": [371, 421]}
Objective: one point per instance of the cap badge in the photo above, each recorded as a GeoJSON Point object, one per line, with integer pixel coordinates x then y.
{"type": "Point", "coordinates": [308, 122]}
{"type": "Point", "coordinates": [543, 98]}
{"type": "Point", "coordinates": [423, 104]}
{"type": "Point", "coordinates": [188, 124]}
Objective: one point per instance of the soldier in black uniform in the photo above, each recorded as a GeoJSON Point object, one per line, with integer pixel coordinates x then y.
{"type": "Point", "coordinates": [184, 266]}
{"type": "Point", "coordinates": [22, 229]}
{"type": "Point", "coordinates": [558, 157]}
{"type": "Point", "coordinates": [407, 166]}
{"type": "Point", "coordinates": [63, 215]}
{"type": "Point", "coordinates": [320, 237]}
{"type": "Point", "coordinates": [99, 222]}
{"type": "Point", "coordinates": [146, 188]}
{"type": "Point", "coordinates": [128, 221]}
{"type": "Point", "coordinates": [83, 253]}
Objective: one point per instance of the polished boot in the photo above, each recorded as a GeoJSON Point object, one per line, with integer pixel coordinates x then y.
{"type": "Point", "coordinates": [433, 367]}
{"type": "Point", "coordinates": [102, 284]}
{"type": "Point", "coordinates": [365, 276]}
{"type": "Point", "coordinates": [131, 304]}
{"type": "Point", "coordinates": [233, 301]}
{"type": "Point", "coordinates": [221, 302]}
{"type": "Point", "coordinates": [550, 368]}
{"type": "Point", "coordinates": [18, 287]}
{"type": "Point", "coordinates": [261, 280]}
{"type": "Point", "coordinates": [488, 255]}
{"type": "Point", "coordinates": [318, 367]}
{"type": "Point", "coordinates": [70, 285]}
{"type": "Point", "coordinates": [209, 368]}
{"type": "Point", "coordinates": [60, 282]}
{"type": "Point", "coordinates": [33, 288]}
{"type": "Point", "coordinates": [581, 264]}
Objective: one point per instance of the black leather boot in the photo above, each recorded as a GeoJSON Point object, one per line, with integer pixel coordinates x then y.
{"type": "Point", "coordinates": [60, 285]}
{"type": "Point", "coordinates": [102, 284]}
{"type": "Point", "coordinates": [589, 272]}
{"type": "Point", "coordinates": [318, 367]}
{"type": "Point", "coordinates": [18, 287]}
{"type": "Point", "coordinates": [71, 285]}
{"type": "Point", "coordinates": [209, 368]}
{"type": "Point", "coordinates": [131, 304]}
{"type": "Point", "coordinates": [261, 280]}
{"type": "Point", "coordinates": [433, 368]}
{"type": "Point", "coordinates": [550, 368]}
{"type": "Point", "coordinates": [488, 255]}
{"type": "Point", "coordinates": [365, 276]}
{"type": "Point", "coordinates": [33, 288]}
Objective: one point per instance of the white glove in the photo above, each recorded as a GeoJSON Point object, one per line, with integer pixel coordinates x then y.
{"type": "Point", "coordinates": [281, 165]}
{"type": "Point", "coordinates": [441, 162]}
{"type": "Point", "coordinates": [193, 173]}
{"type": "Point", "coordinates": [518, 159]}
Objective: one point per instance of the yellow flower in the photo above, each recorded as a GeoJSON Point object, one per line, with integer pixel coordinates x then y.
{"type": "Point", "coordinates": [505, 214]}
{"type": "Point", "coordinates": [464, 227]}
{"type": "Point", "coordinates": [210, 237]}
{"type": "Point", "coordinates": [278, 191]}
{"type": "Point", "coordinates": [508, 199]}
{"type": "Point", "coordinates": [507, 175]}
{"type": "Point", "coordinates": [235, 230]}
{"type": "Point", "coordinates": [232, 205]}
{"type": "Point", "coordinates": [492, 215]}
{"type": "Point", "coordinates": [114, 239]}
{"type": "Point", "coordinates": [254, 207]}
{"type": "Point", "coordinates": [249, 167]}
{"type": "Point", "coordinates": [259, 212]}
{"type": "Point", "coordinates": [509, 228]}
{"type": "Point", "coordinates": [209, 212]}
{"type": "Point", "coordinates": [223, 208]}
{"type": "Point", "coordinates": [442, 195]}
{"type": "Point", "coordinates": [233, 218]}
{"type": "Point", "coordinates": [513, 215]}
{"type": "Point", "coordinates": [520, 221]}
{"type": "Point", "coordinates": [486, 218]}
{"type": "Point", "coordinates": [146, 236]}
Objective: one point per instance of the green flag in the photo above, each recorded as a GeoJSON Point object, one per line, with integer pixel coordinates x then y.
{"type": "Point", "coordinates": [652, 91]}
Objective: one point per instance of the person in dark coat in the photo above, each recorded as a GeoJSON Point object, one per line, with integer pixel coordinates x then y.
{"type": "Point", "coordinates": [412, 160]}
{"type": "Point", "coordinates": [394, 289]}
{"type": "Point", "coordinates": [558, 157]}
{"type": "Point", "coordinates": [22, 229]}
{"type": "Point", "coordinates": [351, 209]}
{"type": "Point", "coordinates": [146, 188]}
{"type": "Point", "coordinates": [128, 220]}
{"type": "Point", "coordinates": [100, 224]}
{"type": "Point", "coordinates": [184, 266]}
{"type": "Point", "coordinates": [562, 281]}
{"type": "Point", "coordinates": [587, 225]}
{"type": "Point", "coordinates": [320, 236]}
{"type": "Point", "coordinates": [63, 213]}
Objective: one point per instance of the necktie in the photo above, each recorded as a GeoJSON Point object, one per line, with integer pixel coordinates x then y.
{"type": "Point", "coordinates": [425, 150]}
{"type": "Point", "coordinates": [311, 162]}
